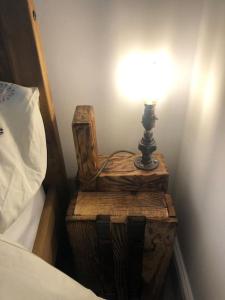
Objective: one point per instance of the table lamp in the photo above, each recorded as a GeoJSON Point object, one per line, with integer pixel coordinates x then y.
{"type": "Point", "coordinates": [147, 145]}
{"type": "Point", "coordinates": [145, 76]}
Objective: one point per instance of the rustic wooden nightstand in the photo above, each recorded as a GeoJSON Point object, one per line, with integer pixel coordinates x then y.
{"type": "Point", "coordinates": [121, 226]}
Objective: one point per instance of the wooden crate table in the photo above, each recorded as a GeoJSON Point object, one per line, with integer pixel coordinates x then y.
{"type": "Point", "coordinates": [121, 224]}
{"type": "Point", "coordinates": [122, 242]}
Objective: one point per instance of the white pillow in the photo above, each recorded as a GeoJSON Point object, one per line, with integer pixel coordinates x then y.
{"type": "Point", "coordinates": [24, 276]}
{"type": "Point", "coordinates": [23, 154]}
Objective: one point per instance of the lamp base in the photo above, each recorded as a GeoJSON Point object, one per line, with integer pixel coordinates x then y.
{"type": "Point", "coordinates": [148, 167]}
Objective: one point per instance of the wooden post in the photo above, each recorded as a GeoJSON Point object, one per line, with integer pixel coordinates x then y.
{"type": "Point", "coordinates": [84, 133]}
{"type": "Point", "coordinates": [22, 62]}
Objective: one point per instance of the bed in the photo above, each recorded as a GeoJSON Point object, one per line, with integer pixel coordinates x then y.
{"type": "Point", "coordinates": [24, 229]}
{"type": "Point", "coordinates": [21, 62]}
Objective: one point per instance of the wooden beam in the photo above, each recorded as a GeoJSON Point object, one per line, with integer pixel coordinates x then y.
{"type": "Point", "coordinates": [119, 206]}
{"type": "Point", "coordinates": [22, 62]}
{"type": "Point", "coordinates": [45, 245]}
{"type": "Point", "coordinates": [121, 175]}
{"type": "Point", "coordinates": [84, 133]}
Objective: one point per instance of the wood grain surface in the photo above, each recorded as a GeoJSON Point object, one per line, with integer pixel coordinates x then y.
{"type": "Point", "coordinates": [158, 249]}
{"type": "Point", "coordinates": [140, 260]}
{"type": "Point", "coordinates": [105, 252]}
{"type": "Point", "coordinates": [46, 241]}
{"type": "Point", "coordinates": [84, 133]}
{"type": "Point", "coordinates": [120, 254]}
{"type": "Point", "coordinates": [86, 259]}
{"type": "Point", "coordinates": [122, 175]}
{"type": "Point", "coordinates": [119, 206]}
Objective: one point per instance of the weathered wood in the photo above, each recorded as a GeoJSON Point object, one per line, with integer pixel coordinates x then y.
{"type": "Point", "coordinates": [158, 237]}
{"type": "Point", "coordinates": [119, 206]}
{"type": "Point", "coordinates": [158, 248]}
{"type": "Point", "coordinates": [84, 133]}
{"type": "Point", "coordinates": [86, 260]}
{"type": "Point", "coordinates": [170, 207]}
{"type": "Point", "coordinates": [122, 175]}
{"type": "Point", "coordinates": [22, 62]}
{"type": "Point", "coordinates": [120, 254]}
{"type": "Point", "coordinates": [135, 233]}
{"type": "Point", "coordinates": [105, 250]}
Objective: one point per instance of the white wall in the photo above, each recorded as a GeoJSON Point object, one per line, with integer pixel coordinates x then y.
{"type": "Point", "coordinates": [83, 41]}
{"type": "Point", "coordinates": [200, 180]}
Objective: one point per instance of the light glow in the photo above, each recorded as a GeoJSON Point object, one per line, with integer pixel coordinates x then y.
{"type": "Point", "coordinates": [144, 76]}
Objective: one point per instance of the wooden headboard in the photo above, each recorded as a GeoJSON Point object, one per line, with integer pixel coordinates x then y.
{"type": "Point", "coordinates": [22, 62]}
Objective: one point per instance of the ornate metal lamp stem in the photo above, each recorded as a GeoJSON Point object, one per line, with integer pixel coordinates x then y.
{"type": "Point", "coordinates": [147, 144]}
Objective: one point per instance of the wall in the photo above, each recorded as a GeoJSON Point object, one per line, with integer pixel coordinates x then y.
{"type": "Point", "coordinates": [199, 184]}
{"type": "Point", "coordinates": [83, 41]}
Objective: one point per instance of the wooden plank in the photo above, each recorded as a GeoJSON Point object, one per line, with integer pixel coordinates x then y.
{"type": "Point", "coordinates": [22, 62]}
{"type": "Point", "coordinates": [45, 245]}
{"type": "Point", "coordinates": [84, 133]}
{"type": "Point", "coordinates": [83, 240]}
{"type": "Point", "coordinates": [120, 205]}
{"type": "Point", "coordinates": [122, 175]}
{"type": "Point", "coordinates": [170, 206]}
{"type": "Point", "coordinates": [120, 254]}
{"type": "Point", "coordinates": [135, 233]}
{"type": "Point", "coordinates": [4, 61]}
{"type": "Point", "coordinates": [105, 252]}
{"type": "Point", "coordinates": [158, 249]}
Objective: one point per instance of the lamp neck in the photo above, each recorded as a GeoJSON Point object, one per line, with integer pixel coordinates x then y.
{"type": "Point", "coordinates": [149, 117]}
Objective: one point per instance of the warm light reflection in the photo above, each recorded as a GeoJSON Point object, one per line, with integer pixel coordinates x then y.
{"type": "Point", "coordinates": [209, 90]}
{"type": "Point", "coordinates": [204, 86]}
{"type": "Point", "coordinates": [144, 76]}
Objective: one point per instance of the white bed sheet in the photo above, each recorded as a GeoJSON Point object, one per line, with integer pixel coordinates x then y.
{"type": "Point", "coordinates": [25, 276]}
{"type": "Point", "coordinates": [23, 231]}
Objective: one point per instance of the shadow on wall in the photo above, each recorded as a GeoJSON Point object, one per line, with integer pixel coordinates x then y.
{"type": "Point", "coordinates": [199, 183]}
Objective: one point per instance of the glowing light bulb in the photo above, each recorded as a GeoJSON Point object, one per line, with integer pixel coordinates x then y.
{"type": "Point", "coordinates": [150, 101]}
{"type": "Point", "coordinates": [144, 76]}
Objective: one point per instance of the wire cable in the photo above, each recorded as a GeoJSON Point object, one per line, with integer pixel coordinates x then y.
{"type": "Point", "coordinates": [105, 163]}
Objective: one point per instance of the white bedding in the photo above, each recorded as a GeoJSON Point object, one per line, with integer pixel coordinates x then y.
{"type": "Point", "coordinates": [23, 153]}
{"type": "Point", "coordinates": [23, 231]}
{"type": "Point", "coordinates": [24, 276]}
